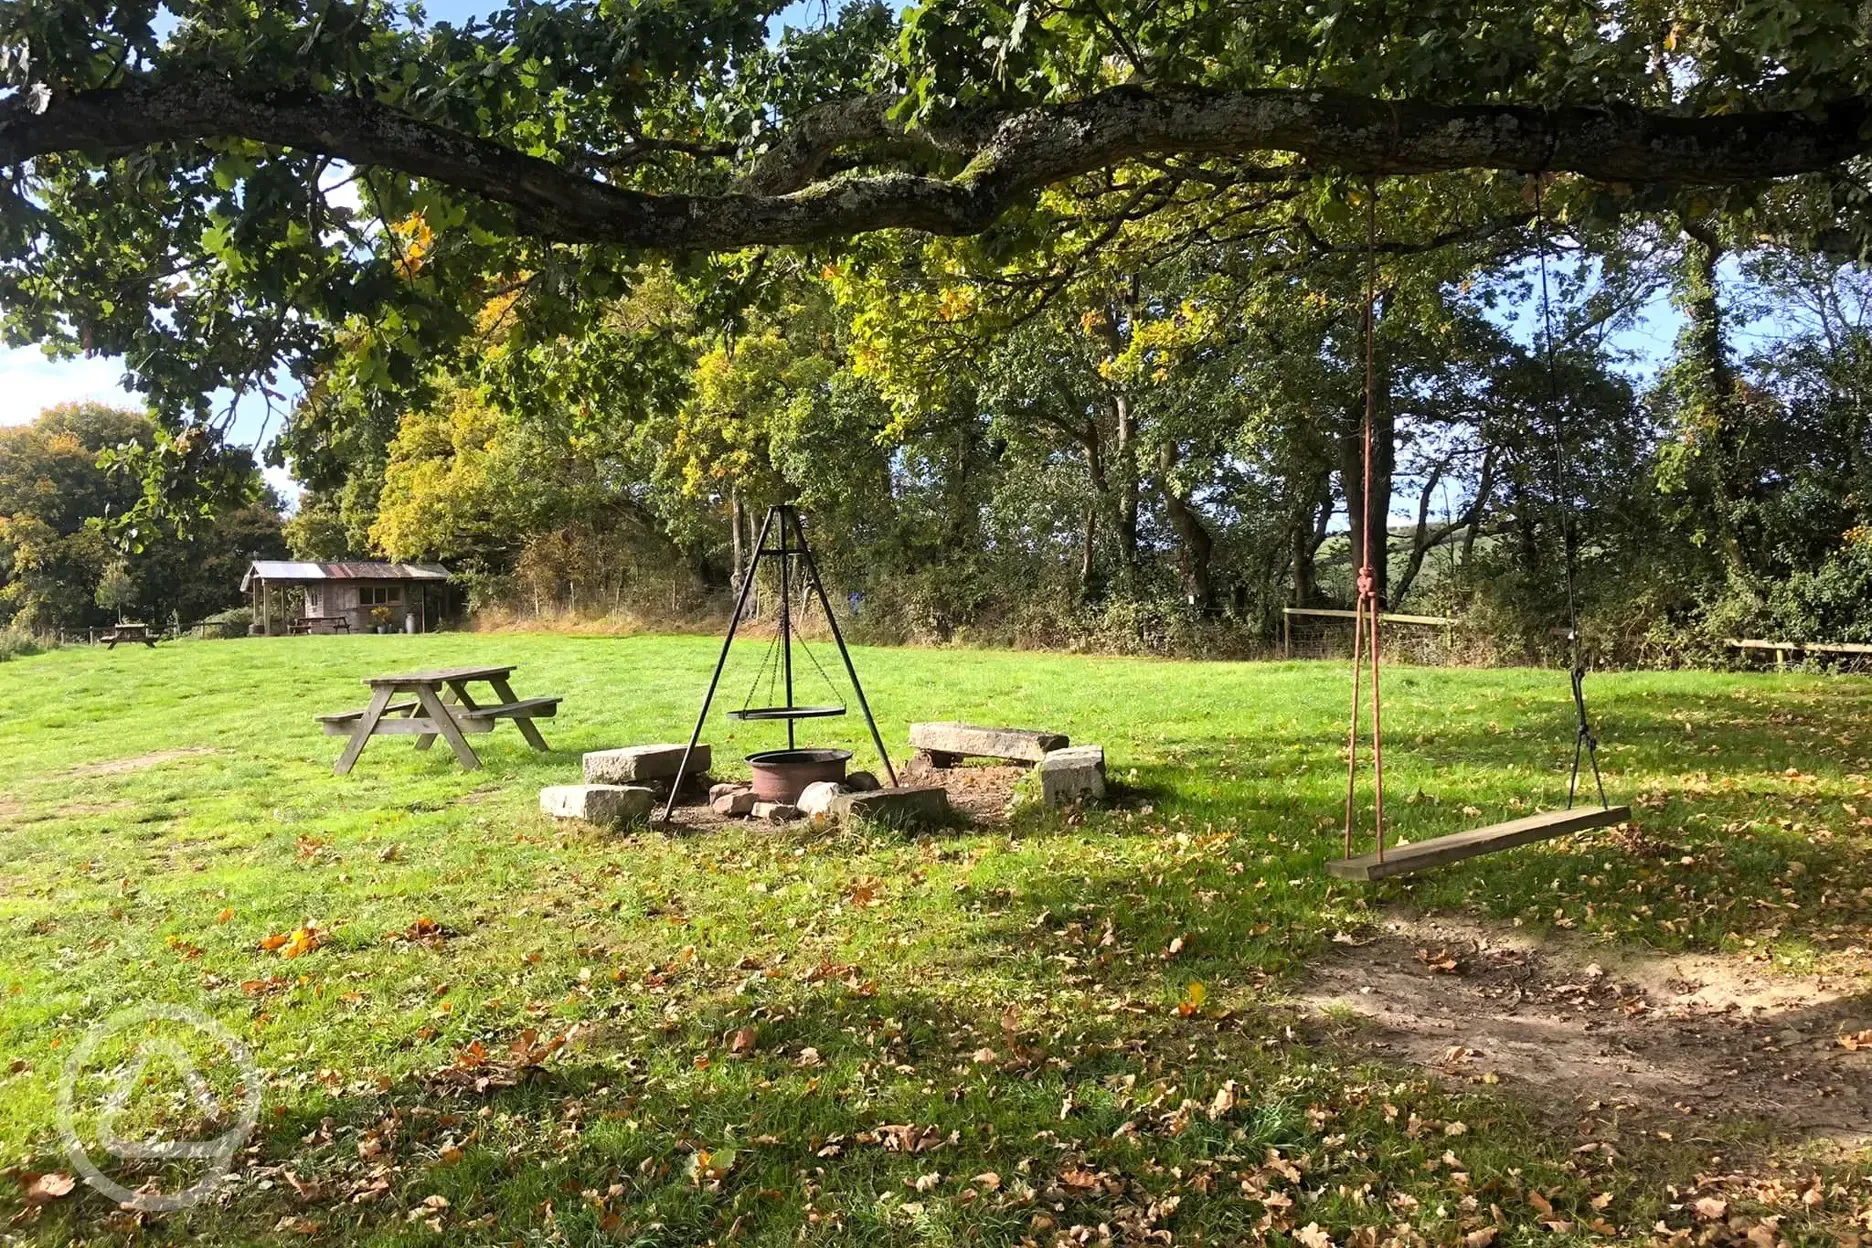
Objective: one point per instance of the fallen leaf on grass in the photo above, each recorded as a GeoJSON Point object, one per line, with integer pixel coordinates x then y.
{"type": "Point", "coordinates": [706, 1167]}
{"type": "Point", "coordinates": [295, 944]}
{"type": "Point", "coordinates": [741, 1043]}
{"type": "Point", "coordinates": [424, 931]}
{"type": "Point", "coordinates": [1193, 998]}
{"type": "Point", "coordinates": [40, 1188]}
{"type": "Point", "coordinates": [1711, 1208]}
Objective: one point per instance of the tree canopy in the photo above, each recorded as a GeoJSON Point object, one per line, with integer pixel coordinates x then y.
{"type": "Point", "coordinates": [176, 169]}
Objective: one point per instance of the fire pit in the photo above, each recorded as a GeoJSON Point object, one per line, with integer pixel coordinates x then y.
{"type": "Point", "coordinates": [782, 775]}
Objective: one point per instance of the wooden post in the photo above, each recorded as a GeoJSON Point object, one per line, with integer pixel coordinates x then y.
{"type": "Point", "coordinates": [266, 610]}
{"type": "Point", "coordinates": [1286, 635]}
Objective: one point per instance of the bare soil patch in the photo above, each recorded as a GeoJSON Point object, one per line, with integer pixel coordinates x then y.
{"type": "Point", "coordinates": [1605, 1036]}
{"type": "Point", "coordinates": [140, 762]}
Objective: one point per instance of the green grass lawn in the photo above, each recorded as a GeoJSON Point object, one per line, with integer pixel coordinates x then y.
{"type": "Point", "coordinates": [775, 1036]}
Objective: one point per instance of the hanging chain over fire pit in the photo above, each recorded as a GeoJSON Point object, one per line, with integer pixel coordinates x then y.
{"type": "Point", "coordinates": [779, 775]}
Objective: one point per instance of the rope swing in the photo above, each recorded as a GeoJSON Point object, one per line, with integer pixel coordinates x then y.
{"type": "Point", "coordinates": [1366, 609]}
{"type": "Point", "coordinates": [1368, 615]}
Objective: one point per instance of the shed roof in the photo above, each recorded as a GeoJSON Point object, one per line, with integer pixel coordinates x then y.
{"type": "Point", "coordinates": [301, 573]}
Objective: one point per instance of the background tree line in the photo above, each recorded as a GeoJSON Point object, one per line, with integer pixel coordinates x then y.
{"type": "Point", "coordinates": [64, 566]}
{"type": "Point", "coordinates": [1141, 430]}
{"type": "Point", "coordinates": [1049, 314]}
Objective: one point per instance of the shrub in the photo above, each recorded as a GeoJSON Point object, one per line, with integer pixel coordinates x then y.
{"type": "Point", "coordinates": [16, 643]}
{"type": "Point", "coordinates": [234, 622]}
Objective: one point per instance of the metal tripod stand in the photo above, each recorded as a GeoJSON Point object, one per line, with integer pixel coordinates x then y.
{"type": "Point", "coordinates": [795, 559]}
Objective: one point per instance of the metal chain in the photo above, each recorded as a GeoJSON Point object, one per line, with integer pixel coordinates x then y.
{"type": "Point", "coordinates": [1584, 741]}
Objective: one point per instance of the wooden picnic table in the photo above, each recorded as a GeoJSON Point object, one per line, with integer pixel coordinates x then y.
{"type": "Point", "coordinates": [127, 632]}
{"type": "Point", "coordinates": [442, 707]}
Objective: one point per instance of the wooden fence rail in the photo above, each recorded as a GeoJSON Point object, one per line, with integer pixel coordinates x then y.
{"type": "Point", "coordinates": [1782, 649]}
{"type": "Point", "coordinates": [1384, 617]}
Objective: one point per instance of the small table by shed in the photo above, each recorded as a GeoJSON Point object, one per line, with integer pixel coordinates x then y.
{"type": "Point", "coordinates": [441, 707]}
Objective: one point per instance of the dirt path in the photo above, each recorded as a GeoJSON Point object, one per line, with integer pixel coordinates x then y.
{"type": "Point", "coordinates": [1590, 1032]}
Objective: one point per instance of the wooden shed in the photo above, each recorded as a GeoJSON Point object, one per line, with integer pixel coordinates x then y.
{"type": "Point", "coordinates": [348, 597]}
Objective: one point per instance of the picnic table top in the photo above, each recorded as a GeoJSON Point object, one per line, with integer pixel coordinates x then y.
{"type": "Point", "coordinates": [439, 676]}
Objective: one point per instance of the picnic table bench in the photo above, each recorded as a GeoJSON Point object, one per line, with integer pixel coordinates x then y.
{"type": "Point", "coordinates": [311, 625]}
{"type": "Point", "coordinates": [127, 632]}
{"type": "Point", "coordinates": [442, 707]}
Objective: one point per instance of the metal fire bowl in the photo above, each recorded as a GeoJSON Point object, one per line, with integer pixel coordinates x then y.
{"type": "Point", "coordinates": [782, 775]}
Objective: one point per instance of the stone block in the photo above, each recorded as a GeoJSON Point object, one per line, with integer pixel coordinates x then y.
{"type": "Point", "coordinates": [816, 798]}
{"type": "Point", "coordinates": [604, 804]}
{"type": "Point", "coordinates": [1020, 745]}
{"type": "Point", "coordinates": [735, 803]}
{"type": "Point", "coordinates": [775, 812]}
{"type": "Point", "coordinates": [635, 764]}
{"type": "Point", "coordinates": [906, 806]}
{"type": "Point", "coordinates": [1073, 774]}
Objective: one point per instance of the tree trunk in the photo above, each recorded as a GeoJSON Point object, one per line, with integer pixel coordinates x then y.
{"type": "Point", "coordinates": [1195, 544]}
{"type": "Point", "coordinates": [1087, 560]}
{"type": "Point", "coordinates": [1424, 539]}
{"type": "Point", "coordinates": [735, 523]}
{"type": "Point", "coordinates": [1125, 449]}
{"type": "Point", "coordinates": [1308, 533]}
{"type": "Point", "coordinates": [1711, 398]}
{"type": "Point", "coordinates": [1383, 464]}
{"type": "Point", "coordinates": [1351, 478]}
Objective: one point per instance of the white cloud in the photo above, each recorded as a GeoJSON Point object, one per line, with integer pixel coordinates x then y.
{"type": "Point", "coordinates": [30, 383]}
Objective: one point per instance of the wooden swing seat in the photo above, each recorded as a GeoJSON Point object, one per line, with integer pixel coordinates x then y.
{"type": "Point", "coordinates": [1439, 850]}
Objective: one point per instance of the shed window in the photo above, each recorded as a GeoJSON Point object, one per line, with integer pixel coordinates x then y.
{"type": "Point", "coordinates": [379, 595]}
{"type": "Point", "coordinates": [315, 598]}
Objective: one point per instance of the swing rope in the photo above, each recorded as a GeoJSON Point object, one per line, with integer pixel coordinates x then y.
{"type": "Point", "coordinates": [1585, 742]}
{"type": "Point", "coordinates": [1366, 610]}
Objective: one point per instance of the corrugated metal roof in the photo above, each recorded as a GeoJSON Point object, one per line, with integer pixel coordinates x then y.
{"type": "Point", "coordinates": [294, 570]}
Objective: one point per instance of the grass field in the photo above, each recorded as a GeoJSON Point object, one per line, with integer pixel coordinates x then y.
{"type": "Point", "coordinates": [1072, 1025]}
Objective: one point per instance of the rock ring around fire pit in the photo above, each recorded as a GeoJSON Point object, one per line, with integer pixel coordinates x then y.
{"type": "Point", "coordinates": [782, 775]}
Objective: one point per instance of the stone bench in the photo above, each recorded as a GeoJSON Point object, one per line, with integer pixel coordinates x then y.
{"type": "Point", "coordinates": [607, 805]}
{"type": "Point", "coordinates": [907, 806]}
{"type": "Point", "coordinates": [1072, 775]}
{"type": "Point", "coordinates": [637, 764]}
{"type": "Point", "coordinates": [943, 745]}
